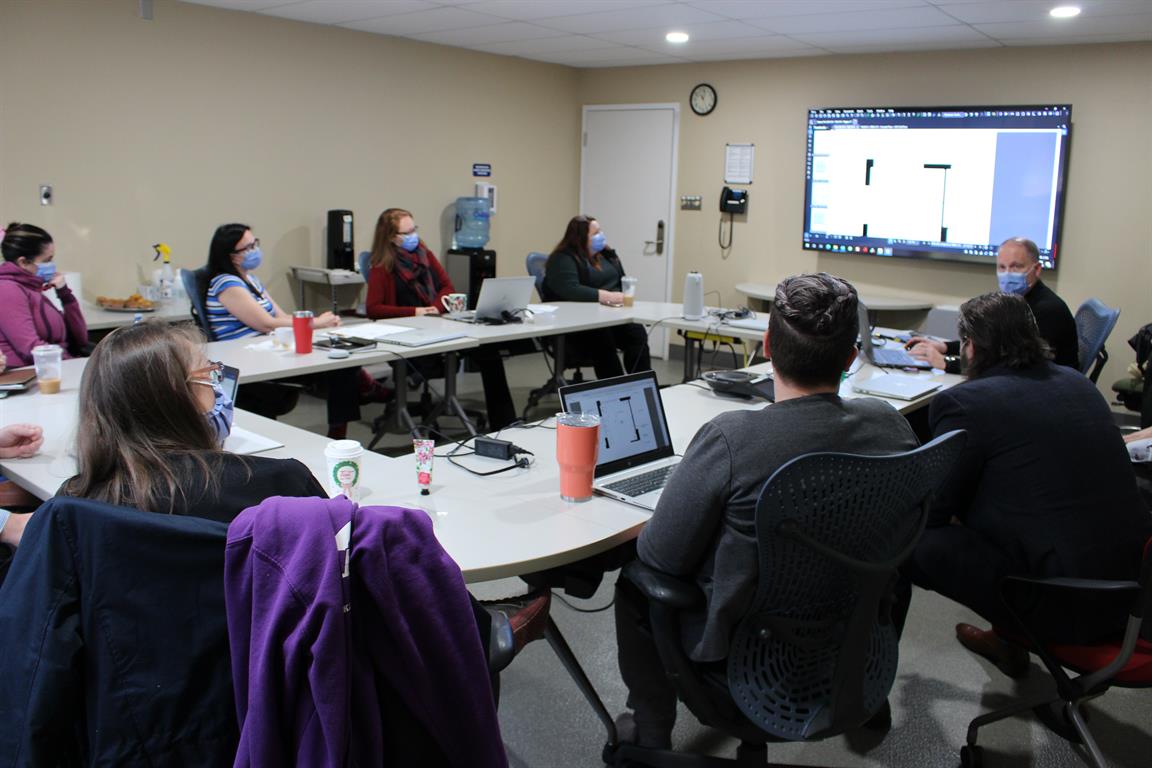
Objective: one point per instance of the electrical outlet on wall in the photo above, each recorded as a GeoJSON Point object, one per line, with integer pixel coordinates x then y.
{"type": "Point", "coordinates": [690, 202]}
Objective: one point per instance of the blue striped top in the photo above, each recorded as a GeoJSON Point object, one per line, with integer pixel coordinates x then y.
{"type": "Point", "coordinates": [223, 323]}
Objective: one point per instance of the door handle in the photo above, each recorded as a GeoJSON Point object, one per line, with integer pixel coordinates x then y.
{"type": "Point", "coordinates": [659, 241]}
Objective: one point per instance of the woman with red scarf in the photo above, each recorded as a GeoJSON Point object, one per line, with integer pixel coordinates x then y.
{"type": "Point", "coordinates": [407, 279]}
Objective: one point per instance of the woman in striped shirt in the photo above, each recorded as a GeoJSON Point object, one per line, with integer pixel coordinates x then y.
{"type": "Point", "coordinates": [237, 306]}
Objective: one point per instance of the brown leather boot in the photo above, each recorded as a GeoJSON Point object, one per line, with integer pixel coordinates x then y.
{"type": "Point", "coordinates": [1012, 660]}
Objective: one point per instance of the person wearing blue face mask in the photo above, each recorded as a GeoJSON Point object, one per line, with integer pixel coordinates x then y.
{"type": "Point", "coordinates": [583, 268]}
{"type": "Point", "coordinates": [153, 421]}
{"type": "Point", "coordinates": [29, 319]}
{"type": "Point", "coordinates": [237, 305]}
{"type": "Point", "coordinates": [1017, 272]}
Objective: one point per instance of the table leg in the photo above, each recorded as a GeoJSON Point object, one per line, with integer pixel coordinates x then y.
{"type": "Point", "coordinates": [559, 347]}
{"type": "Point", "coordinates": [452, 367]}
{"type": "Point", "coordinates": [404, 420]}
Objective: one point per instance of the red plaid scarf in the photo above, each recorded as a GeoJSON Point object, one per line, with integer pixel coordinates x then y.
{"type": "Point", "coordinates": [413, 271]}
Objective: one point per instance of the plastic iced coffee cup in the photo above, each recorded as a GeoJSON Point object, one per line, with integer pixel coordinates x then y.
{"type": "Point", "coordinates": [577, 444]}
{"type": "Point", "coordinates": [345, 460]}
{"type": "Point", "coordinates": [48, 359]}
{"type": "Point", "coordinates": [628, 285]}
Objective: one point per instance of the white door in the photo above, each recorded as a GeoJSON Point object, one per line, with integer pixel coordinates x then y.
{"type": "Point", "coordinates": [628, 182]}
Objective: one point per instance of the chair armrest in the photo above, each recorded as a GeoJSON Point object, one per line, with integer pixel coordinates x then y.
{"type": "Point", "coordinates": [664, 588]}
{"type": "Point", "coordinates": [1097, 585]}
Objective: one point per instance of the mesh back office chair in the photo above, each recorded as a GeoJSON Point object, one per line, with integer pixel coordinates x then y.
{"type": "Point", "coordinates": [1094, 323]}
{"type": "Point", "coordinates": [1125, 661]}
{"type": "Point", "coordinates": [535, 263]}
{"type": "Point", "coordinates": [816, 653]}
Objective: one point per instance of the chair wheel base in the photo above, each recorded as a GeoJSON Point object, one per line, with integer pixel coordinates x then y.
{"type": "Point", "coordinates": [971, 757]}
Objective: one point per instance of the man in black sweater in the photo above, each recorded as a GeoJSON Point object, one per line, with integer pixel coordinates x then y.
{"type": "Point", "coordinates": [1018, 272]}
{"type": "Point", "coordinates": [703, 525]}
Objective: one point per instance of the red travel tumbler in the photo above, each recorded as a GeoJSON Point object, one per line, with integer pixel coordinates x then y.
{"type": "Point", "coordinates": [302, 330]}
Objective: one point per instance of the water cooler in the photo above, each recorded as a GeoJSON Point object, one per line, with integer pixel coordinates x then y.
{"type": "Point", "coordinates": [468, 263]}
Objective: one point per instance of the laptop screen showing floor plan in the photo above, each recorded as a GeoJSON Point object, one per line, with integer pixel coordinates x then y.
{"type": "Point", "coordinates": [500, 298]}
{"type": "Point", "coordinates": [635, 455]}
{"type": "Point", "coordinates": [888, 356]}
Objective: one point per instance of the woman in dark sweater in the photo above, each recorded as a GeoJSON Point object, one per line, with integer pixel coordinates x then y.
{"type": "Point", "coordinates": [583, 268]}
{"type": "Point", "coordinates": [153, 421]}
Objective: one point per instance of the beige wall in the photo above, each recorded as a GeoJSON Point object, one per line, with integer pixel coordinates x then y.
{"type": "Point", "coordinates": [163, 129]}
{"type": "Point", "coordinates": [1108, 228]}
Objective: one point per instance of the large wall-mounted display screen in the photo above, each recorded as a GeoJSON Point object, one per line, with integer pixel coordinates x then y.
{"type": "Point", "coordinates": [948, 183]}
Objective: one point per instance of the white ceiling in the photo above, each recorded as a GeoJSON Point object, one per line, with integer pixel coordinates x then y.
{"type": "Point", "coordinates": [610, 33]}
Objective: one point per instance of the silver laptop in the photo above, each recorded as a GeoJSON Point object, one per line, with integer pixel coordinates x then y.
{"type": "Point", "coordinates": [896, 386]}
{"type": "Point", "coordinates": [419, 338]}
{"type": "Point", "coordinates": [889, 356]}
{"type": "Point", "coordinates": [635, 458]}
{"type": "Point", "coordinates": [500, 298]}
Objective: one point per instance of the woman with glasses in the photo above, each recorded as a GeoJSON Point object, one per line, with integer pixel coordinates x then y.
{"type": "Point", "coordinates": [583, 268]}
{"type": "Point", "coordinates": [153, 420]}
{"type": "Point", "coordinates": [406, 280]}
{"type": "Point", "coordinates": [29, 319]}
{"type": "Point", "coordinates": [237, 305]}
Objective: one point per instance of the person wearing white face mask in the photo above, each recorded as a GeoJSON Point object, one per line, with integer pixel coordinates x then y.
{"type": "Point", "coordinates": [1017, 272]}
{"type": "Point", "coordinates": [28, 319]}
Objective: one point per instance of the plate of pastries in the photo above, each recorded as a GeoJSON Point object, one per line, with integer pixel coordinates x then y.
{"type": "Point", "coordinates": [134, 303]}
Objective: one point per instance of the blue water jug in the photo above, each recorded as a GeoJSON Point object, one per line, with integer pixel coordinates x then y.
{"type": "Point", "coordinates": [471, 222]}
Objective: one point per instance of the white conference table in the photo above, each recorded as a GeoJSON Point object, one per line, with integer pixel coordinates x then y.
{"type": "Point", "coordinates": [877, 298]}
{"type": "Point", "coordinates": [494, 527]}
{"type": "Point", "coordinates": [99, 319]}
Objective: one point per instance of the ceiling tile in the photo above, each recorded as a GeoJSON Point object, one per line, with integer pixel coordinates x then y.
{"type": "Point", "coordinates": [434, 20]}
{"type": "Point", "coordinates": [527, 10]}
{"type": "Point", "coordinates": [770, 45]}
{"type": "Point", "coordinates": [496, 33]}
{"type": "Point", "coordinates": [546, 45]}
{"type": "Point", "coordinates": [655, 35]}
{"type": "Point", "coordinates": [340, 11]}
{"type": "Point", "coordinates": [1129, 37]}
{"type": "Point", "coordinates": [769, 9]}
{"type": "Point", "coordinates": [857, 20]}
{"type": "Point", "coordinates": [915, 45]}
{"type": "Point", "coordinates": [985, 12]}
{"type": "Point", "coordinates": [752, 55]}
{"type": "Point", "coordinates": [241, 5]}
{"type": "Point", "coordinates": [617, 57]}
{"type": "Point", "coordinates": [880, 37]}
{"type": "Point", "coordinates": [667, 15]}
{"type": "Point", "coordinates": [1059, 29]}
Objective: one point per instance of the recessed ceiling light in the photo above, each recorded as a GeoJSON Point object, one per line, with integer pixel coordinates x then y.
{"type": "Point", "coordinates": [1064, 11]}
{"type": "Point", "coordinates": [676, 37]}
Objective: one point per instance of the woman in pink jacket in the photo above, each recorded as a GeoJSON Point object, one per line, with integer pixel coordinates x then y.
{"type": "Point", "coordinates": [29, 319]}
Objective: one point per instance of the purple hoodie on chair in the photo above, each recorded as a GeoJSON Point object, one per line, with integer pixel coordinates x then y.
{"type": "Point", "coordinates": [29, 319]}
{"type": "Point", "coordinates": [306, 685]}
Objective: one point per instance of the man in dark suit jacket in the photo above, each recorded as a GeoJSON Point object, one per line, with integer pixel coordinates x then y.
{"type": "Point", "coordinates": [1018, 272]}
{"type": "Point", "coordinates": [1044, 486]}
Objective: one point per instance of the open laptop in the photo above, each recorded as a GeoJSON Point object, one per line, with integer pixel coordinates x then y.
{"type": "Point", "coordinates": [894, 356]}
{"type": "Point", "coordinates": [635, 458]}
{"type": "Point", "coordinates": [896, 386]}
{"type": "Point", "coordinates": [501, 298]}
{"type": "Point", "coordinates": [241, 440]}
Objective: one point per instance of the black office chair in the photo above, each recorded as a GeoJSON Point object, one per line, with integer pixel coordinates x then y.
{"type": "Point", "coordinates": [1124, 660]}
{"type": "Point", "coordinates": [535, 263]}
{"type": "Point", "coordinates": [122, 665]}
{"type": "Point", "coordinates": [1094, 323]}
{"type": "Point", "coordinates": [196, 286]}
{"type": "Point", "coordinates": [816, 654]}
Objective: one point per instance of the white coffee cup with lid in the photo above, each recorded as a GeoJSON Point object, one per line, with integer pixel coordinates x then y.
{"type": "Point", "coordinates": [345, 462]}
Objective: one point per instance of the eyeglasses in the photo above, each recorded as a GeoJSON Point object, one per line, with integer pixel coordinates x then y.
{"type": "Point", "coordinates": [250, 247]}
{"type": "Point", "coordinates": [210, 375]}
{"type": "Point", "coordinates": [412, 231]}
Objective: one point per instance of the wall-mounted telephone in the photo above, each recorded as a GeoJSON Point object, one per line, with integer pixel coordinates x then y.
{"type": "Point", "coordinates": [733, 200]}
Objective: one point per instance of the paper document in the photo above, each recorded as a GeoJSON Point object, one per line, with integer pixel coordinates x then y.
{"type": "Point", "coordinates": [372, 331]}
{"type": "Point", "coordinates": [1140, 451]}
{"type": "Point", "coordinates": [542, 308]}
{"type": "Point", "coordinates": [241, 440]}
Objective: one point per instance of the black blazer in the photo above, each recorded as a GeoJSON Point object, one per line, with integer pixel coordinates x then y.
{"type": "Point", "coordinates": [1044, 474]}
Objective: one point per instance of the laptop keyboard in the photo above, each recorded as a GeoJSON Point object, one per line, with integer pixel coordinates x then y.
{"type": "Point", "coordinates": [638, 485]}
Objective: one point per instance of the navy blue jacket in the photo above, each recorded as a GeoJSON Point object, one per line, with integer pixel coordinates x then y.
{"type": "Point", "coordinates": [113, 641]}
